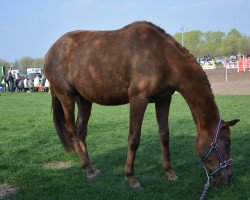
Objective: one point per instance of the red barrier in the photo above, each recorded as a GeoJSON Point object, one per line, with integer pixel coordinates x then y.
{"type": "Point", "coordinates": [241, 65]}
{"type": "Point", "coordinates": [248, 63]}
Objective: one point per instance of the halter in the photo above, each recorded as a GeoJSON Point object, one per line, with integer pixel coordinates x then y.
{"type": "Point", "coordinates": [214, 147]}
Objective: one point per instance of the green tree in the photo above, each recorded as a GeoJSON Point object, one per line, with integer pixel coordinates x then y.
{"type": "Point", "coordinates": [177, 37]}
{"type": "Point", "coordinates": [231, 44]}
{"type": "Point", "coordinates": [248, 45]}
{"type": "Point", "coordinates": [16, 64]}
{"type": "Point", "coordinates": [29, 62]}
{"type": "Point", "coordinates": [25, 62]}
{"type": "Point", "coordinates": [39, 62]}
{"type": "Point", "coordinates": [213, 42]}
{"type": "Point", "coordinates": [234, 33]}
{"type": "Point", "coordinates": [192, 41]}
{"type": "Point", "coordinates": [4, 63]}
{"type": "Point", "coordinates": [213, 37]}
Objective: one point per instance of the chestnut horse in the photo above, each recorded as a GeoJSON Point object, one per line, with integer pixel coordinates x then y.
{"type": "Point", "coordinates": [137, 64]}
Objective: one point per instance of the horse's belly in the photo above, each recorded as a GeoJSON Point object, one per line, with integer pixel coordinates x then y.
{"type": "Point", "coordinates": [111, 102]}
{"type": "Point", "coordinates": [106, 96]}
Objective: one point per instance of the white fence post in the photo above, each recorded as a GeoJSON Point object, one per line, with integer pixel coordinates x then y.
{"type": "Point", "coordinates": [226, 73]}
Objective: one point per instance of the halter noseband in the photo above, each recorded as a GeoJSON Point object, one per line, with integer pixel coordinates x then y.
{"type": "Point", "coordinates": [214, 147]}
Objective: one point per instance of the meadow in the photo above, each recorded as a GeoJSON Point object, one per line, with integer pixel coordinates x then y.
{"type": "Point", "coordinates": [28, 140]}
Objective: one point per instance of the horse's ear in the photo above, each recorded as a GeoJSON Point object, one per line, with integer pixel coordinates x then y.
{"type": "Point", "coordinates": [230, 123]}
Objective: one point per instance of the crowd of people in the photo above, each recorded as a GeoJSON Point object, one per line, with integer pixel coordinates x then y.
{"type": "Point", "coordinates": [25, 83]}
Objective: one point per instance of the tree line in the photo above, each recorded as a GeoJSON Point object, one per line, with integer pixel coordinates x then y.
{"type": "Point", "coordinates": [215, 43]}
{"type": "Point", "coordinates": [24, 63]}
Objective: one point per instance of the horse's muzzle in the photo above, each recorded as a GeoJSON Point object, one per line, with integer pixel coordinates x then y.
{"type": "Point", "coordinates": [223, 177]}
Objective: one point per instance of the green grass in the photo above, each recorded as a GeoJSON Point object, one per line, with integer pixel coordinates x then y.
{"type": "Point", "coordinates": [28, 139]}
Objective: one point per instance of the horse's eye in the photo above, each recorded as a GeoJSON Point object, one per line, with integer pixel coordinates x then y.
{"type": "Point", "coordinates": [227, 143]}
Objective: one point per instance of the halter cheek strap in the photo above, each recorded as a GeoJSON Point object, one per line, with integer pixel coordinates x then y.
{"type": "Point", "coordinates": [214, 147]}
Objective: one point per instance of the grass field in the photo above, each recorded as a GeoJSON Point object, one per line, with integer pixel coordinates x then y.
{"type": "Point", "coordinates": [28, 140]}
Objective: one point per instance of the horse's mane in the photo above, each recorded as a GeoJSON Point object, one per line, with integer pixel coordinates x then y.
{"type": "Point", "coordinates": [174, 42]}
{"type": "Point", "coordinates": [179, 47]}
{"type": "Point", "coordinates": [167, 36]}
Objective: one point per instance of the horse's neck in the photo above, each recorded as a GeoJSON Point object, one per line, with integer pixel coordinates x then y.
{"type": "Point", "coordinates": [198, 95]}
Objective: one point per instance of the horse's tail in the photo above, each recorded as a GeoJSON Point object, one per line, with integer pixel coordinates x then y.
{"type": "Point", "coordinates": [59, 122]}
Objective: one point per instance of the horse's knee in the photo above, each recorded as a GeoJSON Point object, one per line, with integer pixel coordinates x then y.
{"type": "Point", "coordinates": [133, 141]}
{"type": "Point", "coordinates": [164, 137]}
{"type": "Point", "coordinates": [128, 171]}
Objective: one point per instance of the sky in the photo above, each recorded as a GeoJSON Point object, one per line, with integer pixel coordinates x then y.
{"type": "Point", "coordinates": [30, 27]}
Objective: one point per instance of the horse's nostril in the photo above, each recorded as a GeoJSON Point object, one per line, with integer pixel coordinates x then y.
{"type": "Point", "coordinates": [229, 179]}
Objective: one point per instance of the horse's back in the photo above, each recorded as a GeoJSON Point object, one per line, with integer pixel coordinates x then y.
{"type": "Point", "coordinates": [102, 65]}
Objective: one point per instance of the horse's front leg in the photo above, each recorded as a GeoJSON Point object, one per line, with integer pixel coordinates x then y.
{"type": "Point", "coordinates": [138, 105]}
{"type": "Point", "coordinates": [162, 112]}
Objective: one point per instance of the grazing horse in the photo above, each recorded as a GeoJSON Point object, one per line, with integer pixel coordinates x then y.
{"type": "Point", "coordinates": [137, 64]}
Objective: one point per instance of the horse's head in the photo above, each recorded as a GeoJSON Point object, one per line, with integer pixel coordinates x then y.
{"type": "Point", "coordinates": [215, 155]}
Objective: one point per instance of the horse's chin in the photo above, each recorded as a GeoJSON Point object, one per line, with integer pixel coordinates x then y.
{"type": "Point", "coordinates": [222, 179]}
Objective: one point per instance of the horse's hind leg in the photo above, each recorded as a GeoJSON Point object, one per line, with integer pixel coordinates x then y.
{"type": "Point", "coordinates": [84, 111]}
{"type": "Point", "coordinates": [138, 106]}
{"type": "Point", "coordinates": [162, 112]}
{"type": "Point", "coordinates": [68, 104]}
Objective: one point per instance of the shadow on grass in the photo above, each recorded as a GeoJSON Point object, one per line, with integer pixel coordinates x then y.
{"type": "Point", "coordinates": [28, 141]}
{"type": "Point", "coordinates": [37, 183]}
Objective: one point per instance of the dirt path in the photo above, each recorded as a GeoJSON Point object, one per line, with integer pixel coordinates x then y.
{"type": "Point", "coordinates": [238, 82]}
{"type": "Point", "coordinates": [7, 190]}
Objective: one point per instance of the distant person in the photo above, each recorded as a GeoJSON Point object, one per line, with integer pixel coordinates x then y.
{"type": "Point", "coordinates": [3, 83]}
{"type": "Point", "coordinates": [30, 84]}
{"type": "Point", "coordinates": [209, 58]}
{"type": "Point", "coordinates": [11, 80]}
{"type": "Point", "coordinates": [25, 84]}
{"type": "Point", "coordinates": [213, 63]}
{"type": "Point", "coordinates": [20, 86]}
{"type": "Point", "coordinates": [18, 79]}
{"type": "Point", "coordinates": [36, 81]}
{"type": "Point", "coordinates": [47, 85]}
{"type": "Point", "coordinates": [36, 84]}
{"type": "Point", "coordinates": [43, 80]}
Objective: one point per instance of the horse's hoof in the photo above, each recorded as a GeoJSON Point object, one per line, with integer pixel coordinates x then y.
{"type": "Point", "coordinates": [172, 176]}
{"type": "Point", "coordinates": [136, 186]}
{"type": "Point", "coordinates": [94, 175]}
